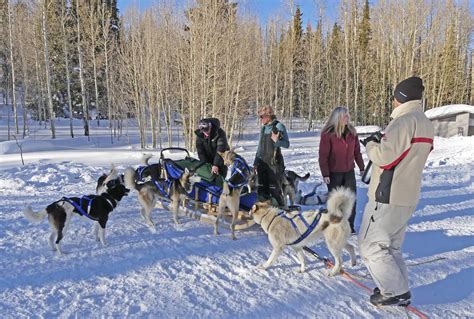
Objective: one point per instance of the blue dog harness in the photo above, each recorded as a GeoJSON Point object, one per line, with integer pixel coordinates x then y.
{"type": "Point", "coordinates": [162, 187]}
{"type": "Point", "coordinates": [239, 167]}
{"type": "Point", "coordinates": [86, 202]}
{"type": "Point", "coordinates": [140, 170]}
{"type": "Point", "coordinates": [309, 227]}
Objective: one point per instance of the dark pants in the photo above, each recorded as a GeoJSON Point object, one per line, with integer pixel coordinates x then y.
{"type": "Point", "coordinates": [269, 182]}
{"type": "Point", "coordinates": [346, 179]}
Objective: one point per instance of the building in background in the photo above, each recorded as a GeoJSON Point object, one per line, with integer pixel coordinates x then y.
{"type": "Point", "coordinates": [452, 120]}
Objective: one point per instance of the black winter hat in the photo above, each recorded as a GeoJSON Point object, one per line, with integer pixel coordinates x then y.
{"type": "Point", "coordinates": [409, 89]}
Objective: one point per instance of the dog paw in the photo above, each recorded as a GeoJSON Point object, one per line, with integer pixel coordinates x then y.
{"type": "Point", "coordinates": [152, 229]}
{"type": "Point", "coordinates": [262, 267]}
{"type": "Point", "coordinates": [333, 272]}
{"type": "Point", "coordinates": [301, 270]}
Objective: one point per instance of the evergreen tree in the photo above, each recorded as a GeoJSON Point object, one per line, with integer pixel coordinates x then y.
{"type": "Point", "coordinates": [298, 57]}
{"type": "Point", "coordinates": [364, 29]}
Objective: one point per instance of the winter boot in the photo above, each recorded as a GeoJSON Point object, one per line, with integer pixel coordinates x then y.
{"type": "Point", "coordinates": [377, 299]}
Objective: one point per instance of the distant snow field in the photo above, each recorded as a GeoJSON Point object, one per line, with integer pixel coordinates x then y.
{"type": "Point", "coordinates": [186, 271]}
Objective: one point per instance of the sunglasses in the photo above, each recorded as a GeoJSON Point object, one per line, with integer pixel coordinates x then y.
{"type": "Point", "coordinates": [204, 127]}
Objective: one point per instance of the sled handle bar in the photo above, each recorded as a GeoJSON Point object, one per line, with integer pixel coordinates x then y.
{"type": "Point", "coordinates": [179, 149]}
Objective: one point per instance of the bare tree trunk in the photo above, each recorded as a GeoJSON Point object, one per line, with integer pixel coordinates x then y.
{"type": "Point", "coordinates": [66, 61]}
{"type": "Point", "coordinates": [52, 116]}
{"type": "Point", "coordinates": [12, 65]}
{"type": "Point", "coordinates": [85, 110]}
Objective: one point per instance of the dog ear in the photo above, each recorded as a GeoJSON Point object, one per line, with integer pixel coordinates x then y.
{"type": "Point", "coordinates": [253, 209]}
{"type": "Point", "coordinates": [113, 175]}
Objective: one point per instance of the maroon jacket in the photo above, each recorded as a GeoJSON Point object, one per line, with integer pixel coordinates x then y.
{"type": "Point", "coordinates": [337, 155]}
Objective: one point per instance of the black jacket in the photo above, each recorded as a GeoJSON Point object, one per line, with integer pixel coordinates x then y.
{"type": "Point", "coordinates": [207, 148]}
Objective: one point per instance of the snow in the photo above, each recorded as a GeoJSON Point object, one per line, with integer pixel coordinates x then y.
{"type": "Point", "coordinates": [367, 129]}
{"type": "Point", "coordinates": [448, 110]}
{"type": "Point", "coordinates": [186, 271]}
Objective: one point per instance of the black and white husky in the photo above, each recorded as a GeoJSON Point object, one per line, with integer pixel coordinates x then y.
{"type": "Point", "coordinates": [95, 207]}
{"type": "Point", "coordinates": [315, 197]}
{"type": "Point", "coordinates": [290, 185]}
{"type": "Point", "coordinates": [167, 190]}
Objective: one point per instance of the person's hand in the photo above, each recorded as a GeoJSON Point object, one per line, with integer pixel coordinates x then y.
{"type": "Point", "coordinates": [326, 180]}
{"type": "Point", "coordinates": [275, 136]}
{"type": "Point", "coordinates": [375, 137]}
{"type": "Point", "coordinates": [361, 173]}
{"type": "Point", "coordinates": [215, 169]}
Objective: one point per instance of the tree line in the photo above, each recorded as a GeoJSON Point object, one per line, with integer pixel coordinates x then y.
{"type": "Point", "coordinates": [168, 66]}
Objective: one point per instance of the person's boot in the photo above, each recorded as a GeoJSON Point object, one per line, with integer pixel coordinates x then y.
{"type": "Point", "coordinates": [377, 299]}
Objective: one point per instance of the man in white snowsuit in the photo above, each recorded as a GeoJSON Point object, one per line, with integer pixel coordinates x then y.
{"type": "Point", "coordinates": [398, 159]}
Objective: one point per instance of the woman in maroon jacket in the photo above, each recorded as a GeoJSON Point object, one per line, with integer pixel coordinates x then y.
{"type": "Point", "coordinates": [338, 149]}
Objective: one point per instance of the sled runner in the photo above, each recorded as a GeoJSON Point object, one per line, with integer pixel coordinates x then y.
{"type": "Point", "coordinates": [202, 201]}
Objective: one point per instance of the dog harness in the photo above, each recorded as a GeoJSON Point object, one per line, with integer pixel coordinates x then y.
{"type": "Point", "coordinates": [140, 170]}
{"type": "Point", "coordinates": [83, 208]}
{"type": "Point", "coordinates": [239, 167]}
{"type": "Point", "coordinates": [162, 188]}
{"type": "Point", "coordinates": [309, 226]}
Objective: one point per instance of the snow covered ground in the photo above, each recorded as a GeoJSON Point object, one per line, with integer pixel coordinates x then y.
{"type": "Point", "coordinates": [186, 271]}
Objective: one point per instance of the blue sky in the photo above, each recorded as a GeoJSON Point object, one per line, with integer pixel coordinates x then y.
{"type": "Point", "coordinates": [262, 8]}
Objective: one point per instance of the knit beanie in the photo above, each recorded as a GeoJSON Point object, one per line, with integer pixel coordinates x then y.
{"type": "Point", "coordinates": [409, 89]}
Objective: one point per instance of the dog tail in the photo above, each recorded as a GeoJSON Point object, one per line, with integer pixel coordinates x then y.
{"type": "Point", "coordinates": [304, 178]}
{"type": "Point", "coordinates": [34, 217]}
{"type": "Point", "coordinates": [340, 203]}
{"type": "Point", "coordinates": [129, 178]}
{"type": "Point", "coordinates": [146, 158]}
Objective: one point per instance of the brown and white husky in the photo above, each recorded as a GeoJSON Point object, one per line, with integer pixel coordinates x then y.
{"type": "Point", "coordinates": [151, 191]}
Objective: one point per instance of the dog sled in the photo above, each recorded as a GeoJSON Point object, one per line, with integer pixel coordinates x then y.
{"type": "Point", "coordinates": [202, 202]}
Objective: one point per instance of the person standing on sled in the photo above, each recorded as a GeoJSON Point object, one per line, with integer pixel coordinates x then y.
{"type": "Point", "coordinates": [398, 159]}
{"type": "Point", "coordinates": [211, 139]}
{"type": "Point", "coordinates": [338, 149]}
{"type": "Point", "coordinates": [269, 162]}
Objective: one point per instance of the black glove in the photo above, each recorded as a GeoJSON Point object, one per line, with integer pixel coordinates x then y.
{"type": "Point", "coordinates": [276, 131]}
{"type": "Point", "coordinates": [375, 137]}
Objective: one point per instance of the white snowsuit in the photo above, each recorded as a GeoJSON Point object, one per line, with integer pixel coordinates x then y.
{"type": "Point", "coordinates": [394, 190]}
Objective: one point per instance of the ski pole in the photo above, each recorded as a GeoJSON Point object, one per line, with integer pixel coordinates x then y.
{"type": "Point", "coordinates": [329, 264]}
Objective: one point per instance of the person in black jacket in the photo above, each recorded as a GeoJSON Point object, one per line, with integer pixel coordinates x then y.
{"type": "Point", "coordinates": [210, 139]}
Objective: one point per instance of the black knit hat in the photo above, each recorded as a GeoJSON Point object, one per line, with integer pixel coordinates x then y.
{"type": "Point", "coordinates": [409, 89]}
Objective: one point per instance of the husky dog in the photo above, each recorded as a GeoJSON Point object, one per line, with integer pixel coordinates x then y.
{"type": "Point", "coordinates": [149, 171]}
{"type": "Point", "coordinates": [238, 174]}
{"type": "Point", "coordinates": [95, 207]}
{"type": "Point", "coordinates": [312, 198]}
{"type": "Point", "coordinates": [301, 229]}
{"type": "Point", "coordinates": [103, 183]}
{"type": "Point", "coordinates": [150, 191]}
{"type": "Point", "coordinates": [290, 185]}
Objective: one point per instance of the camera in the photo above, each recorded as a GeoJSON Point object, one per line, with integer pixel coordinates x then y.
{"type": "Point", "coordinates": [375, 137]}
